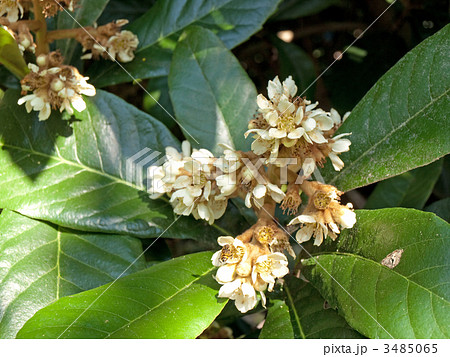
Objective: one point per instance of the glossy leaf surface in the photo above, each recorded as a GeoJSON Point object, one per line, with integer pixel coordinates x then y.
{"type": "Point", "coordinates": [401, 123]}
{"type": "Point", "coordinates": [41, 263]}
{"type": "Point", "coordinates": [213, 106]}
{"type": "Point", "coordinates": [174, 299]}
{"type": "Point", "coordinates": [411, 300]}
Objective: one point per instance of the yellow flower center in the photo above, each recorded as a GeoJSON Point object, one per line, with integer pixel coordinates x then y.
{"type": "Point", "coordinates": [264, 267]}
{"type": "Point", "coordinates": [265, 234]}
{"type": "Point", "coordinates": [286, 122]}
{"type": "Point", "coordinates": [321, 200]}
{"type": "Point", "coordinates": [230, 252]}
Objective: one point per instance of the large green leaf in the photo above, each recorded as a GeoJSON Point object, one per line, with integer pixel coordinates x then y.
{"type": "Point", "coordinates": [408, 300]}
{"type": "Point", "coordinates": [174, 299]}
{"type": "Point", "coordinates": [214, 106]}
{"type": "Point", "coordinates": [303, 314]}
{"type": "Point", "coordinates": [85, 13]}
{"type": "Point", "coordinates": [401, 123]}
{"type": "Point", "coordinates": [411, 189]}
{"type": "Point", "coordinates": [232, 20]}
{"type": "Point", "coordinates": [75, 175]}
{"type": "Point", "coordinates": [10, 55]}
{"type": "Point", "coordinates": [41, 263]}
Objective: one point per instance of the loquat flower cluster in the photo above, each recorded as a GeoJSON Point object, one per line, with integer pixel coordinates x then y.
{"type": "Point", "coordinates": [291, 136]}
{"type": "Point", "coordinates": [54, 85]}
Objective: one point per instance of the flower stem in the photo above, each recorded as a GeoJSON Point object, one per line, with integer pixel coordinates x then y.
{"type": "Point", "coordinates": [67, 33]}
{"type": "Point", "coordinates": [33, 25]}
{"type": "Point", "coordinates": [42, 46]}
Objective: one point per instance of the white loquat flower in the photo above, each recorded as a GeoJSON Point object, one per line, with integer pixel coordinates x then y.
{"type": "Point", "coordinates": [12, 9]}
{"type": "Point", "coordinates": [242, 292]}
{"type": "Point", "coordinates": [122, 46]}
{"type": "Point", "coordinates": [257, 195]}
{"type": "Point", "coordinates": [55, 87]}
{"type": "Point", "coordinates": [323, 216]}
{"type": "Point", "coordinates": [270, 267]}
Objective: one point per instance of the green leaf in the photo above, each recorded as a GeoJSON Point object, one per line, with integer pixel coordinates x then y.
{"type": "Point", "coordinates": [158, 29]}
{"type": "Point", "coordinates": [85, 13]}
{"type": "Point", "coordinates": [411, 300]}
{"type": "Point", "coordinates": [158, 102]}
{"type": "Point", "coordinates": [441, 208]}
{"type": "Point", "coordinates": [10, 55]}
{"type": "Point", "coordinates": [213, 106]}
{"type": "Point", "coordinates": [119, 9]}
{"type": "Point", "coordinates": [174, 299]}
{"type": "Point", "coordinates": [303, 314]}
{"type": "Point", "coordinates": [75, 174]}
{"type": "Point", "coordinates": [401, 123]}
{"type": "Point", "coordinates": [294, 61]}
{"type": "Point", "coordinates": [411, 189]}
{"type": "Point", "coordinates": [41, 263]}
{"type": "Point", "coordinates": [236, 21]}
{"type": "Point", "coordinates": [293, 9]}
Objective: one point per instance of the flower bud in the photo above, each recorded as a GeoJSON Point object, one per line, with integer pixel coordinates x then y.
{"type": "Point", "coordinates": [57, 85]}
{"type": "Point", "coordinates": [41, 60]}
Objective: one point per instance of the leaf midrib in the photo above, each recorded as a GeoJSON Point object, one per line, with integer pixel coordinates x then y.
{"type": "Point", "coordinates": [211, 90]}
{"type": "Point", "coordinates": [294, 310]}
{"type": "Point", "coordinates": [74, 164]}
{"type": "Point", "coordinates": [333, 180]}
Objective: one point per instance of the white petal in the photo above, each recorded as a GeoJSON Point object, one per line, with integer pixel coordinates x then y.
{"type": "Point", "coordinates": [335, 116]}
{"type": "Point", "coordinates": [348, 219]}
{"type": "Point", "coordinates": [215, 259]}
{"type": "Point", "coordinates": [305, 233]}
{"type": "Point", "coordinates": [260, 146]}
{"type": "Point", "coordinates": [45, 112]}
{"type": "Point", "coordinates": [186, 148]}
{"type": "Point", "coordinates": [285, 106]}
{"type": "Point", "coordinates": [271, 117]}
{"type": "Point", "coordinates": [263, 103]}
{"type": "Point", "coordinates": [303, 218]}
{"type": "Point", "coordinates": [259, 191]}
{"type": "Point", "coordinates": [308, 166]}
{"type": "Point", "coordinates": [289, 86]}
{"type": "Point", "coordinates": [225, 273]}
{"type": "Point", "coordinates": [296, 133]}
{"type": "Point", "coordinates": [225, 240]}
{"type": "Point", "coordinates": [338, 164]}
{"type": "Point", "coordinates": [324, 122]}
{"type": "Point", "coordinates": [229, 288]}
{"type": "Point", "coordinates": [263, 299]}
{"type": "Point", "coordinates": [317, 137]}
{"type": "Point", "coordinates": [277, 133]}
{"type": "Point", "coordinates": [274, 88]}
{"type": "Point", "coordinates": [248, 203]}
{"type": "Point", "coordinates": [79, 104]}
{"type": "Point", "coordinates": [311, 106]}
{"type": "Point", "coordinates": [309, 124]}
{"type": "Point", "coordinates": [299, 115]}
{"type": "Point", "coordinates": [275, 192]}
{"type": "Point", "coordinates": [203, 211]}
{"type": "Point", "coordinates": [341, 145]}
